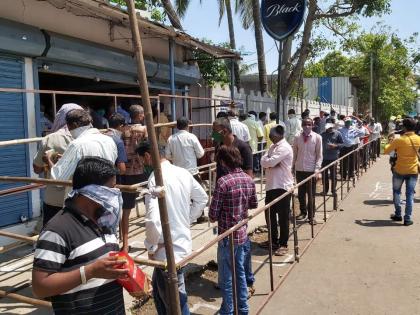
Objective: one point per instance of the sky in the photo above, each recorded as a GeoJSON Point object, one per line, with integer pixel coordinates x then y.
{"type": "Point", "coordinates": [201, 21]}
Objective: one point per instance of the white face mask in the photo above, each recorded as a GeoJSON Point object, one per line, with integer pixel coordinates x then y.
{"type": "Point", "coordinates": [75, 133]}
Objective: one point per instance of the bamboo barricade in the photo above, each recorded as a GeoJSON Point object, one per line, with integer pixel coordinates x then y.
{"type": "Point", "coordinates": [172, 278]}
{"type": "Point", "coordinates": [44, 181]}
{"type": "Point", "coordinates": [39, 139]}
{"type": "Point", "coordinates": [25, 299]}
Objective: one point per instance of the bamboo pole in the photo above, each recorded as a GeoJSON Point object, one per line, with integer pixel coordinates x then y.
{"type": "Point", "coordinates": [24, 238]}
{"type": "Point", "coordinates": [25, 299]}
{"type": "Point", "coordinates": [66, 183]}
{"type": "Point", "coordinates": [19, 141]}
{"type": "Point", "coordinates": [142, 79]}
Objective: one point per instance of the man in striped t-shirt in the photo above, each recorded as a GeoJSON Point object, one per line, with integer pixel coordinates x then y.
{"type": "Point", "coordinates": [71, 261]}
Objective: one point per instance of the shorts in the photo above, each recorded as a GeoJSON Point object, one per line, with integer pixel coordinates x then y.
{"type": "Point", "coordinates": [129, 199]}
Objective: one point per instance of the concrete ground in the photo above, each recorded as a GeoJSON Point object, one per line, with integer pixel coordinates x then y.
{"type": "Point", "coordinates": [361, 263]}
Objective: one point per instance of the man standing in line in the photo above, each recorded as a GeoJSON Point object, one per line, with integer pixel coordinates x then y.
{"type": "Point", "coordinates": [350, 137]}
{"type": "Point", "coordinates": [278, 164]}
{"type": "Point", "coordinates": [406, 169]}
{"type": "Point", "coordinates": [257, 135]}
{"type": "Point", "coordinates": [57, 141]}
{"type": "Point", "coordinates": [71, 260]}
{"type": "Point", "coordinates": [133, 135]}
{"type": "Point", "coordinates": [184, 149]}
{"type": "Point", "coordinates": [267, 128]}
{"type": "Point", "coordinates": [234, 194]}
{"type": "Point", "coordinates": [376, 129]}
{"type": "Point", "coordinates": [332, 142]}
{"type": "Point", "coordinates": [238, 128]}
{"type": "Point", "coordinates": [116, 125]}
{"type": "Point", "coordinates": [307, 160]}
{"type": "Point", "coordinates": [87, 141]}
{"type": "Point", "coordinates": [222, 134]}
{"type": "Point", "coordinates": [293, 126]}
{"type": "Point", "coordinates": [180, 189]}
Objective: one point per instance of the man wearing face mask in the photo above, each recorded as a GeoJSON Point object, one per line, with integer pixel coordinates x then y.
{"type": "Point", "coordinates": [222, 134]}
{"type": "Point", "coordinates": [88, 142]}
{"type": "Point", "coordinates": [278, 164]}
{"type": "Point", "coordinates": [350, 137]}
{"type": "Point", "coordinates": [331, 145]}
{"type": "Point", "coordinates": [293, 126]}
{"type": "Point", "coordinates": [71, 264]}
{"type": "Point", "coordinates": [307, 160]}
{"type": "Point", "coordinates": [185, 200]}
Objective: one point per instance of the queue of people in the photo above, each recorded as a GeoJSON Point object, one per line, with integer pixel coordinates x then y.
{"type": "Point", "coordinates": [79, 276]}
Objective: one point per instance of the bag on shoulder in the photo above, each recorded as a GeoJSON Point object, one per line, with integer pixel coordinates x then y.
{"type": "Point", "coordinates": [418, 156]}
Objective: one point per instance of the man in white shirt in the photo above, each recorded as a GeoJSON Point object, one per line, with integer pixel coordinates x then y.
{"type": "Point", "coordinates": [239, 129]}
{"type": "Point", "coordinates": [184, 148]}
{"type": "Point", "coordinates": [185, 201]}
{"type": "Point", "coordinates": [293, 126]}
{"type": "Point", "coordinates": [88, 142]}
{"type": "Point", "coordinates": [376, 137]}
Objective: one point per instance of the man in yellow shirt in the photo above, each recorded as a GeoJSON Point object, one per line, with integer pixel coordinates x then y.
{"type": "Point", "coordinates": [267, 128]}
{"type": "Point", "coordinates": [406, 169]}
{"type": "Point", "coordinates": [256, 134]}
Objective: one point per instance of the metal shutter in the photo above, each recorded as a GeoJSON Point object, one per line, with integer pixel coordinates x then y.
{"type": "Point", "coordinates": [13, 159]}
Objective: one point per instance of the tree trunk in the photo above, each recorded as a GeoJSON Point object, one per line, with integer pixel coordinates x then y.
{"type": "Point", "coordinates": [304, 48]}
{"type": "Point", "coordinates": [172, 15]}
{"type": "Point", "coordinates": [232, 42]}
{"type": "Point", "coordinates": [285, 70]}
{"type": "Point", "coordinates": [262, 72]}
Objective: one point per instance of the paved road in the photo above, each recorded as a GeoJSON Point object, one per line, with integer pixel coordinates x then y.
{"type": "Point", "coordinates": [361, 263]}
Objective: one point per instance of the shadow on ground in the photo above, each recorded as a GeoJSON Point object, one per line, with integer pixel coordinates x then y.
{"type": "Point", "coordinates": [377, 223]}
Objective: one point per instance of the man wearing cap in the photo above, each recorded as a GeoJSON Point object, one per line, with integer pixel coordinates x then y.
{"type": "Point", "coordinates": [350, 137]}
{"type": "Point", "coordinates": [332, 142]}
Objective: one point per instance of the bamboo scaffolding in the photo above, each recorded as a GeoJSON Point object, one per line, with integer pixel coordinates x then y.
{"type": "Point", "coordinates": [172, 278]}
{"type": "Point", "coordinates": [27, 239]}
{"type": "Point", "coordinates": [25, 299]}
{"type": "Point", "coordinates": [66, 183]}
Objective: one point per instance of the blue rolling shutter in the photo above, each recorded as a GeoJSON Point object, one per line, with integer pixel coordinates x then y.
{"type": "Point", "coordinates": [13, 159]}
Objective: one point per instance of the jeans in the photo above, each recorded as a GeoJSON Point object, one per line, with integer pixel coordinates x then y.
{"type": "Point", "coordinates": [410, 185]}
{"type": "Point", "coordinates": [279, 216]}
{"type": "Point", "coordinates": [225, 278]}
{"type": "Point", "coordinates": [303, 190]}
{"type": "Point", "coordinates": [332, 171]}
{"type": "Point", "coordinates": [249, 275]}
{"type": "Point", "coordinates": [160, 292]}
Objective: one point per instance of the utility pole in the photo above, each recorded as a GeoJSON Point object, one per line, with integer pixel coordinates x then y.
{"type": "Point", "coordinates": [163, 211]}
{"type": "Point", "coordinates": [371, 85]}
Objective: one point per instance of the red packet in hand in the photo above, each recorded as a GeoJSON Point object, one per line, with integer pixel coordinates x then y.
{"type": "Point", "coordinates": [137, 283]}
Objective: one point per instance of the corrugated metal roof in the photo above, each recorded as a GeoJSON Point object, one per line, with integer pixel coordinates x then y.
{"type": "Point", "coordinates": [103, 9]}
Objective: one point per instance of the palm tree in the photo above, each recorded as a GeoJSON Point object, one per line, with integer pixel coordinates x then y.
{"type": "Point", "coordinates": [172, 13]}
{"type": "Point", "coordinates": [224, 7]}
{"type": "Point", "coordinates": [250, 13]}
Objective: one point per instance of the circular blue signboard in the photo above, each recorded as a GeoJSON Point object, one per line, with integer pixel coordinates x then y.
{"type": "Point", "coordinates": [282, 18]}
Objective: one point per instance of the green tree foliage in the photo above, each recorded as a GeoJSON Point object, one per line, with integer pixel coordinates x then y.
{"type": "Point", "coordinates": [152, 6]}
{"type": "Point", "coordinates": [393, 70]}
{"type": "Point", "coordinates": [334, 64]}
{"type": "Point", "coordinates": [213, 71]}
